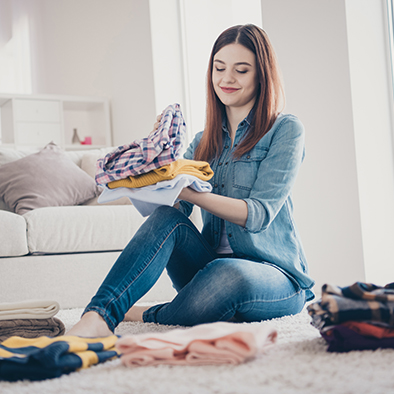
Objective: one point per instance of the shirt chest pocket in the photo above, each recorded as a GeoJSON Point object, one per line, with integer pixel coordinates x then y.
{"type": "Point", "coordinates": [245, 168]}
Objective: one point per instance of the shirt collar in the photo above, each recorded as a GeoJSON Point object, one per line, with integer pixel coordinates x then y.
{"type": "Point", "coordinates": [248, 120]}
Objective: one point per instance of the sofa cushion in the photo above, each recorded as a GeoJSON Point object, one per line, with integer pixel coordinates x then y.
{"type": "Point", "coordinates": [13, 240]}
{"type": "Point", "coordinates": [44, 179]}
{"type": "Point", "coordinates": [81, 228]}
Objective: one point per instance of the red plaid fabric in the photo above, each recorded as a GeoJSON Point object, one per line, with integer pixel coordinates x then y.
{"type": "Point", "coordinates": [158, 149]}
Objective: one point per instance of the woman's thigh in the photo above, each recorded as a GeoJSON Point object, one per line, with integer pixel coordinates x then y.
{"type": "Point", "coordinates": [231, 288]}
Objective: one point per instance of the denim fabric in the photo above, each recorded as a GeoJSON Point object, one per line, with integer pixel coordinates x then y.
{"type": "Point", "coordinates": [210, 288]}
{"type": "Point", "coordinates": [263, 178]}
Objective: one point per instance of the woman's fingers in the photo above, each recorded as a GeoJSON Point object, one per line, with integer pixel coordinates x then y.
{"type": "Point", "coordinates": [156, 124]}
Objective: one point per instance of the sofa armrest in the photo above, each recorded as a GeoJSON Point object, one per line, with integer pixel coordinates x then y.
{"type": "Point", "coordinates": [13, 241]}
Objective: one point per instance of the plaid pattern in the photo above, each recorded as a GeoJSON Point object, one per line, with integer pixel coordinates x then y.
{"type": "Point", "coordinates": [160, 148]}
{"type": "Point", "coordinates": [358, 302]}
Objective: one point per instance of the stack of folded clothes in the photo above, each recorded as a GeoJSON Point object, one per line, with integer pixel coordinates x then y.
{"type": "Point", "coordinates": [356, 317]}
{"type": "Point", "coordinates": [160, 186]}
{"type": "Point", "coordinates": [149, 171]}
{"type": "Point", "coordinates": [30, 319]}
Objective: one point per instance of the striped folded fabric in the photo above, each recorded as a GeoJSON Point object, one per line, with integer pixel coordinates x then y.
{"type": "Point", "coordinates": [44, 357]}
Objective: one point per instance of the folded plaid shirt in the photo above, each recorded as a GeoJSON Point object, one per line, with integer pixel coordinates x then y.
{"type": "Point", "coordinates": [160, 148]}
{"type": "Point", "coordinates": [358, 302]}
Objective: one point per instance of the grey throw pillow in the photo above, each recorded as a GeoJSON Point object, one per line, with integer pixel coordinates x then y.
{"type": "Point", "coordinates": [47, 178]}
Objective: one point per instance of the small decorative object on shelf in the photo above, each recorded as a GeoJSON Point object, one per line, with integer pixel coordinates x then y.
{"type": "Point", "coordinates": [87, 141]}
{"type": "Point", "coordinates": [76, 139]}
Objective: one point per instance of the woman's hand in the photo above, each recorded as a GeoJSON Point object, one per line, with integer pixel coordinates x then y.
{"type": "Point", "coordinates": [156, 125]}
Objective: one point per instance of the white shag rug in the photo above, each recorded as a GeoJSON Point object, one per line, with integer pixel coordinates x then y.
{"type": "Point", "coordinates": [298, 363]}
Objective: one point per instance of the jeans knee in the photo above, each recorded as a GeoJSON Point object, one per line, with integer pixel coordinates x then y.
{"type": "Point", "coordinates": [228, 275]}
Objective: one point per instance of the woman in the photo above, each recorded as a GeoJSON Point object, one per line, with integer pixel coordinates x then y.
{"type": "Point", "coordinates": [248, 263]}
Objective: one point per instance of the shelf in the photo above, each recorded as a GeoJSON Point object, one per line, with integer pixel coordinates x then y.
{"type": "Point", "coordinates": [35, 120]}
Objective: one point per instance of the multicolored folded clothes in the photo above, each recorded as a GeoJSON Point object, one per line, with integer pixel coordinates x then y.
{"type": "Point", "coordinates": [31, 328]}
{"type": "Point", "coordinates": [358, 302]}
{"type": "Point", "coordinates": [160, 148]}
{"type": "Point", "coordinates": [44, 357]}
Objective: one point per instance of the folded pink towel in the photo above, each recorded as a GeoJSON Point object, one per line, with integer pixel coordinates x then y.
{"type": "Point", "coordinates": [214, 343]}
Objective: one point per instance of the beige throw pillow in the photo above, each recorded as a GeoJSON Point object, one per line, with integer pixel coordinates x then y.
{"type": "Point", "coordinates": [47, 178]}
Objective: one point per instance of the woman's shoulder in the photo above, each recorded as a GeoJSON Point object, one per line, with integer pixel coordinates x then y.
{"type": "Point", "coordinates": [287, 122]}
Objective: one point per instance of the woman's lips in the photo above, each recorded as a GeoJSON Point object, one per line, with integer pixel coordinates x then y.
{"type": "Point", "coordinates": [228, 90]}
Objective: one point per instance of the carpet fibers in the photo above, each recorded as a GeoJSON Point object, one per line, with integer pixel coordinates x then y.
{"type": "Point", "coordinates": [298, 363]}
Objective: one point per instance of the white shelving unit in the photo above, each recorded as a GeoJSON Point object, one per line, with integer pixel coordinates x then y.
{"type": "Point", "coordinates": [36, 120]}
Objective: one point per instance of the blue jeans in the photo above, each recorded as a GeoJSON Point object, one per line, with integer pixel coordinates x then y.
{"type": "Point", "coordinates": [210, 287]}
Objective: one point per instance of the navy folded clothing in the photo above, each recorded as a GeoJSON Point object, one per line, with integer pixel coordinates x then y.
{"type": "Point", "coordinates": [45, 357]}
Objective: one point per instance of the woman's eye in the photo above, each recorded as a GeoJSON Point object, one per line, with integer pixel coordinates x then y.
{"type": "Point", "coordinates": [242, 71]}
{"type": "Point", "coordinates": [219, 69]}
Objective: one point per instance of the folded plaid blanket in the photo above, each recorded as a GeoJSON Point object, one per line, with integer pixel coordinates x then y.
{"type": "Point", "coordinates": [31, 328]}
{"type": "Point", "coordinates": [358, 302]}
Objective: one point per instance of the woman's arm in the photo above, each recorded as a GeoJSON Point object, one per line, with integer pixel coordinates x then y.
{"type": "Point", "coordinates": [231, 209]}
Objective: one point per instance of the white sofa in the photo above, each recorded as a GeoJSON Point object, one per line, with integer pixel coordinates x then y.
{"type": "Point", "coordinates": [63, 253]}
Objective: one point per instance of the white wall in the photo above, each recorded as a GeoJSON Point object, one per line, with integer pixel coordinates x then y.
{"type": "Point", "coordinates": [97, 47]}
{"type": "Point", "coordinates": [372, 98]}
{"type": "Point", "coordinates": [310, 39]}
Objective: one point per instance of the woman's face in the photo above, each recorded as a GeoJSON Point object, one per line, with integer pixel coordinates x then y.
{"type": "Point", "coordinates": [234, 76]}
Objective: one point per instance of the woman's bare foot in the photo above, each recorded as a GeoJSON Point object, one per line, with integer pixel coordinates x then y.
{"type": "Point", "coordinates": [135, 313]}
{"type": "Point", "coordinates": [91, 325]}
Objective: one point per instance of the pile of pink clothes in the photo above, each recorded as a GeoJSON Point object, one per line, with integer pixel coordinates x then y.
{"type": "Point", "coordinates": [214, 343]}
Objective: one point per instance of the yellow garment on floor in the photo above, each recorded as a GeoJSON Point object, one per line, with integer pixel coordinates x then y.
{"type": "Point", "coordinates": [200, 169]}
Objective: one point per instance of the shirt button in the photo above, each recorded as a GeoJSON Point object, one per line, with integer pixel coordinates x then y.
{"type": "Point", "coordinates": [226, 162]}
{"type": "Point", "coordinates": [242, 123]}
{"type": "Point", "coordinates": [220, 164]}
{"type": "Point", "coordinates": [222, 184]}
{"type": "Point", "coordinates": [235, 145]}
{"type": "Point", "coordinates": [215, 185]}
{"type": "Point", "coordinates": [248, 156]}
{"type": "Point", "coordinates": [215, 232]}
{"type": "Point", "coordinates": [226, 147]}
{"type": "Point", "coordinates": [230, 235]}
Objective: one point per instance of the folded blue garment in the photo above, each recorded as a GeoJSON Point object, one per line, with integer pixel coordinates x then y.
{"type": "Point", "coordinates": [45, 357]}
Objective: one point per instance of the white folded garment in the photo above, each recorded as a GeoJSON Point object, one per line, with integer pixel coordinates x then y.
{"type": "Point", "coordinates": [32, 309]}
{"type": "Point", "coordinates": [146, 199]}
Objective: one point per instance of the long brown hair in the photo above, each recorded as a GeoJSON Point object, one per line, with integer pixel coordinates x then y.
{"type": "Point", "coordinates": [269, 100]}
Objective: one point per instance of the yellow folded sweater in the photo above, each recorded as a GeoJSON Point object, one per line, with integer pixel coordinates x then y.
{"type": "Point", "coordinates": [200, 169]}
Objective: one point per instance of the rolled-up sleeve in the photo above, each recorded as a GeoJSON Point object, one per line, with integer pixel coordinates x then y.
{"type": "Point", "coordinates": [276, 175]}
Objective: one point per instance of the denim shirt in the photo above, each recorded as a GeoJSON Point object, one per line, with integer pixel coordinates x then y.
{"type": "Point", "coordinates": [263, 178]}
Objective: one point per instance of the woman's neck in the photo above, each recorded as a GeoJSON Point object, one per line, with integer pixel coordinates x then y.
{"type": "Point", "coordinates": [234, 117]}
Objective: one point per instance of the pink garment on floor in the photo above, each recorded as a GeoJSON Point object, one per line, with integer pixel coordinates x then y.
{"type": "Point", "coordinates": [213, 343]}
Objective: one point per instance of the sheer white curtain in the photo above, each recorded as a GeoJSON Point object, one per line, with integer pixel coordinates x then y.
{"type": "Point", "coordinates": [15, 59]}
{"type": "Point", "coordinates": [183, 32]}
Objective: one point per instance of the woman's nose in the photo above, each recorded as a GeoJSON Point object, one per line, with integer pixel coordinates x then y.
{"type": "Point", "coordinates": [228, 77]}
